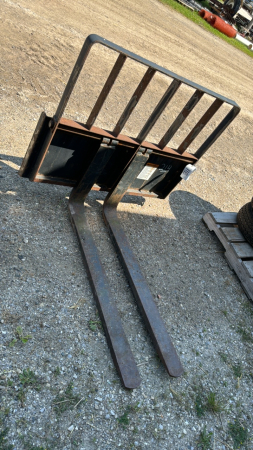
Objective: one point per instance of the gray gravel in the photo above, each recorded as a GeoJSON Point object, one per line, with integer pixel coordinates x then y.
{"type": "Point", "coordinates": [58, 385]}
{"type": "Point", "coordinates": [45, 291]}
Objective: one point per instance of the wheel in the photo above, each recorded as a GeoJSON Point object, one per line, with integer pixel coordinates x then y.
{"type": "Point", "coordinates": [235, 5]}
{"type": "Point", "coordinates": [245, 222]}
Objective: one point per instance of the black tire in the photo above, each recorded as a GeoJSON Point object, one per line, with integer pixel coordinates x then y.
{"type": "Point", "coordinates": [235, 5]}
{"type": "Point", "coordinates": [245, 222]}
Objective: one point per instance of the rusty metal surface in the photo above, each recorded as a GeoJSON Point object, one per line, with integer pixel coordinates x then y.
{"type": "Point", "coordinates": [37, 152]}
{"type": "Point", "coordinates": [84, 156]}
{"type": "Point", "coordinates": [118, 344]}
{"type": "Point", "coordinates": [141, 291]}
{"type": "Point", "coordinates": [27, 159]}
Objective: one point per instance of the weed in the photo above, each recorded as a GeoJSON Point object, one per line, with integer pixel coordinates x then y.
{"type": "Point", "coordinates": [66, 401]}
{"type": "Point", "coordinates": [223, 357]}
{"type": "Point", "coordinates": [95, 325]}
{"type": "Point", "coordinates": [13, 342]}
{"type": "Point", "coordinates": [212, 404]}
{"type": "Point", "coordinates": [124, 419]}
{"type": "Point", "coordinates": [22, 422]}
{"type": "Point", "coordinates": [57, 371]}
{"type": "Point", "coordinates": [224, 312]}
{"type": "Point", "coordinates": [9, 382]}
{"type": "Point", "coordinates": [209, 402]}
{"type": "Point", "coordinates": [28, 378]}
{"type": "Point", "coordinates": [20, 336]}
{"type": "Point", "coordinates": [246, 336]}
{"type": "Point", "coordinates": [248, 308]}
{"type": "Point", "coordinates": [237, 369]}
{"type": "Point", "coordinates": [3, 440]}
{"type": "Point", "coordinates": [21, 396]}
{"type": "Point", "coordinates": [238, 433]}
{"type": "Point", "coordinates": [199, 406]}
{"type": "Point", "coordinates": [204, 441]}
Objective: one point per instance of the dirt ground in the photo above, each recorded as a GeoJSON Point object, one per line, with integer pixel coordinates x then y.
{"type": "Point", "coordinates": [199, 297]}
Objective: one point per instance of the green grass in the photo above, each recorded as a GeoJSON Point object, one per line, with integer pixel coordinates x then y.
{"type": "Point", "coordinates": [213, 404]}
{"type": "Point", "coordinates": [245, 335]}
{"type": "Point", "coordinates": [3, 440]}
{"type": "Point", "coordinates": [66, 400]}
{"type": "Point", "coordinates": [207, 403]}
{"type": "Point", "coordinates": [223, 356]}
{"type": "Point", "coordinates": [238, 433]}
{"type": "Point", "coordinates": [237, 369]}
{"type": "Point", "coordinates": [124, 420]}
{"type": "Point", "coordinates": [199, 406]}
{"type": "Point", "coordinates": [95, 325]}
{"type": "Point", "coordinates": [205, 439]}
{"type": "Point", "coordinates": [195, 17]}
{"type": "Point", "coordinates": [28, 378]}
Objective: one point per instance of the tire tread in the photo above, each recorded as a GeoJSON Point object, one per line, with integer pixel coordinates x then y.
{"type": "Point", "coordinates": [245, 222]}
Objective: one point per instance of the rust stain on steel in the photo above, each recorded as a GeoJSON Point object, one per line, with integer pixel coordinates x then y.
{"type": "Point", "coordinates": [99, 132]}
{"type": "Point", "coordinates": [118, 344]}
{"type": "Point", "coordinates": [142, 294]}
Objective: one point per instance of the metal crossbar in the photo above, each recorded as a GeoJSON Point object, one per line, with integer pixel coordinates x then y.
{"type": "Point", "coordinates": [86, 157]}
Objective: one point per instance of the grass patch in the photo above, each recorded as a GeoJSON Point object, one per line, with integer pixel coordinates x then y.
{"type": "Point", "coordinates": [3, 440]}
{"type": "Point", "coordinates": [200, 406]}
{"type": "Point", "coordinates": [205, 438]}
{"type": "Point", "coordinates": [65, 401]}
{"type": "Point", "coordinates": [212, 403]}
{"type": "Point", "coordinates": [245, 335]}
{"type": "Point", "coordinates": [237, 370]}
{"type": "Point", "coordinates": [194, 17]}
{"type": "Point", "coordinates": [29, 379]}
{"type": "Point", "coordinates": [95, 325]}
{"type": "Point", "coordinates": [238, 433]}
{"type": "Point", "coordinates": [57, 371]}
{"type": "Point", "coordinates": [124, 420]}
{"type": "Point", "coordinates": [207, 403]}
{"type": "Point", "coordinates": [19, 337]}
{"type": "Point", "coordinates": [223, 356]}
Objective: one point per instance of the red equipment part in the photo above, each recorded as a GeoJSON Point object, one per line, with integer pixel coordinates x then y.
{"type": "Point", "coordinates": [222, 26]}
{"type": "Point", "coordinates": [206, 15]}
{"type": "Point", "coordinates": [218, 23]}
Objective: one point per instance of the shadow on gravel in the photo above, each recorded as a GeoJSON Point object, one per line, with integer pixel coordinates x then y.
{"type": "Point", "coordinates": [185, 203]}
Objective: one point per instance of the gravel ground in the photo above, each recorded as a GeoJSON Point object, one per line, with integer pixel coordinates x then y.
{"type": "Point", "coordinates": [58, 385]}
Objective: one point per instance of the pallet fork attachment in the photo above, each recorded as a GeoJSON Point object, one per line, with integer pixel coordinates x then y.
{"type": "Point", "coordinates": [85, 157]}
